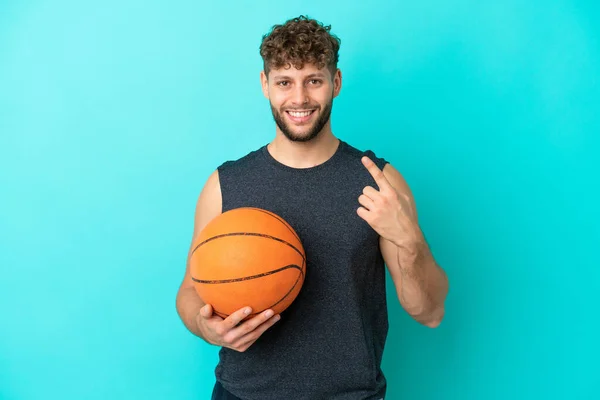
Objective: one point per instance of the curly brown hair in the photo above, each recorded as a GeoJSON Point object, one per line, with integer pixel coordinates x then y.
{"type": "Point", "coordinates": [300, 41]}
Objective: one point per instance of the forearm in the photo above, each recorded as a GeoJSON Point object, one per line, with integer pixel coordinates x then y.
{"type": "Point", "coordinates": [423, 285]}
{"type": "Point", "coordinates": [188, 308]}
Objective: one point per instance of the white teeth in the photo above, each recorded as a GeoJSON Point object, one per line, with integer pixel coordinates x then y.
{"type": "Point", "coordinates": [299, 114]}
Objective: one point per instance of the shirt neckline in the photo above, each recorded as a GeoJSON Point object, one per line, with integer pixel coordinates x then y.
{"type": "Point", "coordinates": [280, 165]}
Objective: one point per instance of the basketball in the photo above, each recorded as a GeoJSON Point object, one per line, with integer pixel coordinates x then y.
{"type": "Point", "coordinates": [247, 257]}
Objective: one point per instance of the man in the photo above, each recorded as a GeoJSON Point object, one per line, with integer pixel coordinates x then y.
{"type": "Point", "coordinates": [354, 214]}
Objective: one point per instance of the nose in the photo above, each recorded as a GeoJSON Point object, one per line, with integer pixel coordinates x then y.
{"type": "Point", "coordinates": [300, 95]}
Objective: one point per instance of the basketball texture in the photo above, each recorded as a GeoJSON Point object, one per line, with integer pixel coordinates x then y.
{"type": "Point", "coordinates": [248, 257]}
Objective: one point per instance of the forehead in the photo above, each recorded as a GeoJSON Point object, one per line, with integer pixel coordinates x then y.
{"type": "Point", "coordinates": [308, 71]}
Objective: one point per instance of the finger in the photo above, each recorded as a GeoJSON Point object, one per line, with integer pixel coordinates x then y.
{"type": "Point", "coordinates": [371, 192]}
{"type": "Point", "coordinates": [363, 213]}
{"type": "Point", "coordinates": [256, 333]}
{"type": "Point", "coordinates": [376, 173]}
{"type": "Point", "coordinates": [366, 202]}
{"type": "Point", "coordinates": [206, 311]}
{"type": "Point", "coordinates": [247, 340]}
{"type": "Point", "coordinates": [236, 317]}
{"type": "Point", "coordinates": [251, 324]}
{"type": "Point", "coordinates": [234, 334]}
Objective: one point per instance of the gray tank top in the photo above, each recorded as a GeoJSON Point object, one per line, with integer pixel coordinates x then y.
{"type": "Point", "coordinates": [329, 342]}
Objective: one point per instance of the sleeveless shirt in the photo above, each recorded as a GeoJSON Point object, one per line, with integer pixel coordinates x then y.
{"type": "Point", "coordinates": [329, 343]}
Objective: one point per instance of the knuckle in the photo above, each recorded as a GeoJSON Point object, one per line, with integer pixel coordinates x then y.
{"type": "Point", "coordinates": [266, 326]}
{"type": "Point", "coordinates": [259, 324]}
{"type": "Point", "coordinates": [259, 331]}
{"type": "Point", "coordinates": [228, 338]}
{"type": "Point", "coordinates": [232, 323]}
{"type": "Point", "coordinates": [246, 328]}
{"type": "Point", "coordinates": [220, 330]}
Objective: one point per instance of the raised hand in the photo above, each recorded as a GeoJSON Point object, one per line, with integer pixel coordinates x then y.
{"type": "Point", "coordinates": [390, 213]}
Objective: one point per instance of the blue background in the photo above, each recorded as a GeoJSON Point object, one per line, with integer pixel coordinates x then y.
{"type": "Point", "coordinates": [113, 114]}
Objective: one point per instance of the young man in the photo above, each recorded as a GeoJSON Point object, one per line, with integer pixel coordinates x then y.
{"type": "Point", "coordinates": [354, 214]}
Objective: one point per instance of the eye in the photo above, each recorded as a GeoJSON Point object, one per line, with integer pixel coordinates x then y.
{"type": "Point", "coordinates": [315, 81]}
{"type": "Point", "coordinates": [282, 83]}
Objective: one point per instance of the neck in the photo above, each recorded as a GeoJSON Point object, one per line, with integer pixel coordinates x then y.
{"type": "Point", "coordinates": [303, 154]}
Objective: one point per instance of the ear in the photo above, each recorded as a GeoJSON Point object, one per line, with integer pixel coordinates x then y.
{"type": "Point", "coordinates": [337, 82]}
{"type": "Point", "coordinates": [264, 82]}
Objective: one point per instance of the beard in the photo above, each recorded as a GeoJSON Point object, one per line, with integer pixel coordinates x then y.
{"type": "Point", "coordinates": [313, 131]}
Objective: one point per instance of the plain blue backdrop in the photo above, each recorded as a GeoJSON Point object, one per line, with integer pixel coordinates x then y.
{"type": "Point", "coordinates": [113, 114]}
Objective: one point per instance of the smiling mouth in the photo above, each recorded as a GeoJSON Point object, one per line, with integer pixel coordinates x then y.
{"type": "Point", "coordinates": [300, 116]}
{"type": "Point", "coordinates": [301, 113]}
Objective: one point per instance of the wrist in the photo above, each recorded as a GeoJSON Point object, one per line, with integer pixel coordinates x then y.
{"type": "Point", "coordinates": [411, 247]}
{"type": "Point", "coordinates": [410, 253]}
{"type": "Point", "coordinates": [409, 239]}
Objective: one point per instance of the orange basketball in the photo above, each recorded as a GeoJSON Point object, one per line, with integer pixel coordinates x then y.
{"type": "Point", "coordinates": [248, 257]}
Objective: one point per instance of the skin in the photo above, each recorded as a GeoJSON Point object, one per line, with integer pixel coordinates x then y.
{"type": "Point", "coordinates": [420, 283]}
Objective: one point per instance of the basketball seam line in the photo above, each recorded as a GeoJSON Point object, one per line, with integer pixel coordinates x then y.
{"type": "Point", "coordinates": [272, 305]}
{"type": "Point", "coordinates": [277, 217]}
{"type": "Point", "coordinates": [247, 278]}
{"type": "Point", "coordinates": [248, 234]}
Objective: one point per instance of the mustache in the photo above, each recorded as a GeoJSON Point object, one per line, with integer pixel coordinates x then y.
{"type": "Point", "coordinates": [302, 109]}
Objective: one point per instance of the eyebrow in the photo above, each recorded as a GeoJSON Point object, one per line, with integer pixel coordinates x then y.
{"type": "Point", "coordinates": [314, 75]}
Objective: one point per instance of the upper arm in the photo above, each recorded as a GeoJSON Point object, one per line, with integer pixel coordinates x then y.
{"type": "Point", "coordinates": [208, 206]}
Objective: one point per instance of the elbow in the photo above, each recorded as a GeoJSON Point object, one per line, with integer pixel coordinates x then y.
{"type": "Point", "coordinates": [434, 323]}
{"type": "Point", "coordinates": [437, 315]}
{"type": "Point", "coordinates": [435, 319]}
{"type": "Point", "coordinates": [431, 318]}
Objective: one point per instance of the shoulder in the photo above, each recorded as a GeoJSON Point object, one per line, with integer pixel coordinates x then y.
{"type": "Point", "coordinates": [391, 173]}
{"type": "Point", "coordinates": [357, 154]}
{"type": "Point", "coordinates": [240, 162]}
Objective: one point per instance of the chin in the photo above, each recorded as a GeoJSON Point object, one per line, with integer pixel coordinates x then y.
{"type": "Point", "coordinates": [300, 133]}
{"type": "Point", "coordinates": [305, 136]}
